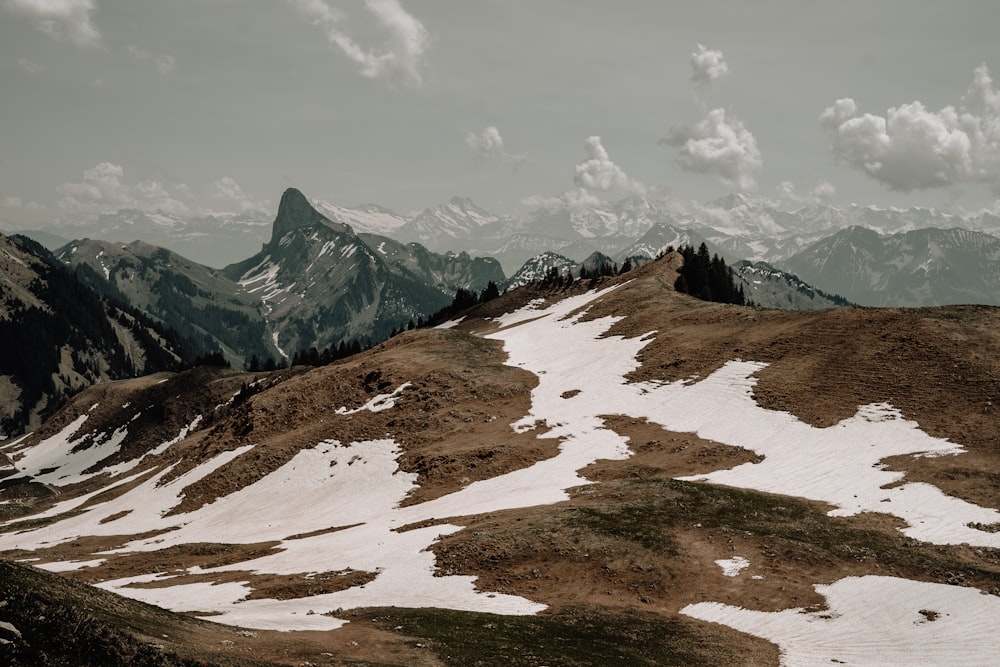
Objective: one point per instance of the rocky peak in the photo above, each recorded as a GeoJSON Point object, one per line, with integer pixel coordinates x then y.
{"type": "Point", "coordinates": [294, 212]}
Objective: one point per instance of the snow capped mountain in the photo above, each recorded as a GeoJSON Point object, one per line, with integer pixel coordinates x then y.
{"type": "Point", "coordinates": [660, 237]}
{"type": "Point", "coordinates": [450, 225]}
{"type": "Point", "coordinates": [769, 287]}
{"type": "Point", "coordinates": [315, 283]}
{"type": "Point", "coordinates": [321, 283]}
{"type": "Point", "coordinates": [922, 267]}
{"type": "Point", "coordinates": [537, 268]}
{"type": "Point", "coordinates": [363, 219]}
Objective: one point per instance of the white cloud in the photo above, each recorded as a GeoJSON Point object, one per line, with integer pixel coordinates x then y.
{"type": "Point", "coordinates": [721, 147]}
{"type": "Point", "coordinates": [18, 204]}
{"type": "Point", "coordinates": [401, 58]}
{"type": "Point", "coordinates": [574, 201]}
{"type": "Point", "coordinates": [164, 62]}
{"type": "Point", "coordinates": [913, 148]}
{"type": "Point", "coordinates": [598, 172]}
{"type": "Point", "coordinates": [226, 189]}
{"type": "Point", "coordinates": [707, 66]}
{"type": "Point", "coordinates": [29, 66]}
{"type": "Point", "coordinates": [823, 192]}
{"type": "Point", "coordinates": [102, 190]}
{"type": "Point", "coordinates": [60, 19]}
{"type": "Point", "coordinates": [488, 145]}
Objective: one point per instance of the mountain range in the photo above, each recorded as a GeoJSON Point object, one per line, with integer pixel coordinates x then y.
{"type": "Point", "coordinates": [738, 227]}
{"type": "Point", "coordinates": [605, 473]}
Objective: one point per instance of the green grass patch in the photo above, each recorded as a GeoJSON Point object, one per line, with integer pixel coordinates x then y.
{"type": "Point", "coordinates": [648, 512]}
{"type": "Point", "coordinates": [574, 636]}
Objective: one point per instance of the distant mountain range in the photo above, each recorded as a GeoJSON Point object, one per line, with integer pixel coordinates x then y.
{"type": "Point", "coordinates": [921, 267]}
{"type": "Point", "coordinates": [738, 227]}
{"type": "Point", "coordinates": [314, 283]}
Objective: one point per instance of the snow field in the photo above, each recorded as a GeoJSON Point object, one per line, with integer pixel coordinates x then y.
{"type": "Point", "coordinates": [60, 463]}
{"type": "Point", "coordinates": [357, 487]}
{"type": "Point", "coordinates": [731, 567]}
{"type": "Point", "coordinates": [876, 621]}
{"type": "Point", "coordinates": [839, 465]}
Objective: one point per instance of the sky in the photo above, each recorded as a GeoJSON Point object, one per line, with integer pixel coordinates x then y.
{"type": "Point", "coordinates": [197, 106]}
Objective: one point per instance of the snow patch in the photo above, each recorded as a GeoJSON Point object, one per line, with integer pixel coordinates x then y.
{"type": "Point", "coordinates": [450, 324]}
{"type": "Point", "coordinates": [875, 621]}
{"type": "Point", "coordinates": [379, 403]}
{"type": "Point", "coordinates": [731, 567]}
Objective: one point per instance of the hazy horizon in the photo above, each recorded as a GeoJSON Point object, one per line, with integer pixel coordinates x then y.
{"type": "Point", "coordinates": [218, 106]}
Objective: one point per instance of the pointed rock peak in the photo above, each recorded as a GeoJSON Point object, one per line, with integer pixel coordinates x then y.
{"type": "Point", "coordinates": [294, 212]}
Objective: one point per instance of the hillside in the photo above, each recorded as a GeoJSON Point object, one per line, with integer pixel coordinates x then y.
{"type": "Point", "coordinates": [601, 474]}
{"type": "Point", "coordinates": [204, 306]}
{"type": "Point", "coordinates": [58, 337]}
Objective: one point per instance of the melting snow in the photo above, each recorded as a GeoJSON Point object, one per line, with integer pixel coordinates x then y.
{"type": "Point", "coordinates": [56, 460]}
{"type": "Point", "coordinates": [450, 324]}
{"type": "Point", "coordinates": [731, 567]}
{"type": "Point", "coordinates": [159, 449]}
{"type": "Point", "coordinates": [379, 403]}
{"type": "Point", "coordinates": [69, 565]}
{"type": "Point", "coordinates": [876, 621]}
{"type": "Point", "coordinates": [357, 488]}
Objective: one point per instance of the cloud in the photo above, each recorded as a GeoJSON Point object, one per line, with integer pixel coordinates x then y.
{"type": "Point", "coordinates": [823, 192]}
{"type": "Point", "coordinates": [721, 147]}
{"type": "Point", "coordinates": [102, 190]}
{"type": "Point", "coordinates": [574, 201]}
{"type": "Point", "coordinates": [164, 62]}
{"type": "Point", "coordinates": [488, 145]}
{"type": "Point", "coordinates": [226, 189]}
{"type": "Point", "coordinates": [400, 60]}
{"type": "Point", "coordinates": [29, 66]}
{"type": "Point", "coordinates": [60, 19]}
{"type": "Point", "coordinates": [598, 172]}
{"type": "Point", "coordinates": [913, 148]}
{"type": "Point", "coordinates": [707, 66]}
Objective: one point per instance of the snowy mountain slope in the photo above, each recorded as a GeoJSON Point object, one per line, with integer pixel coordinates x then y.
{"type": "Point", "coordinates": [320, 283]}
{"type": "Point", "coordinates": [363, 219]}
{"type": "Point", "coordinates": [768, 287]}
{"type": "Point", "coordinates": [562, 449]}
{"type": "Point", "coordinates": [537, 268]}
{"type": "Point", "coordinates": [451, 225]}
{"type": "Point", "coordinates": [657, 240]}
